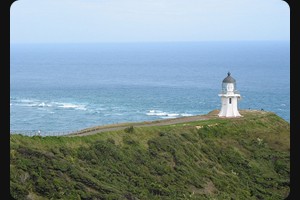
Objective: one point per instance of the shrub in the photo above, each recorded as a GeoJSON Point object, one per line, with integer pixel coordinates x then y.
{"type": "Point", "coordinates": [18, 191]}
{"type": "Point", "coordinates": [110, 140]}
{"type": "Point", "coordinates": [129, 129]}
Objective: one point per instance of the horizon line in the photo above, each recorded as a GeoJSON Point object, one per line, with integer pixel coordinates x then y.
{"type": "Point", "coordinates": [127, 42]}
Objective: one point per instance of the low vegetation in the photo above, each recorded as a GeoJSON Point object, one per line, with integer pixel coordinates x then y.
{"type": "Point", "coordinates": [241, 158]}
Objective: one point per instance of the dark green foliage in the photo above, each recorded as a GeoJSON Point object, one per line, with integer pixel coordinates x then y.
{"type": "Point", "coordinates": [110, 140]}
{"type": "Point", "coordinates": [18, 191]}
{"type": "Point", "coordinates": [129, 129]}
{"type": "Point", "coordinates": [245, 158]}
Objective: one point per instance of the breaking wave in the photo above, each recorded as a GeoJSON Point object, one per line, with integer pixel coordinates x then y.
{"type": "Point", "coordinates": [166, 115]}
{"type": "Point", "coordinates": [42, 104]}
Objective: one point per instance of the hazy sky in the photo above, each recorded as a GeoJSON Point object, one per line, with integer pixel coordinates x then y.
{"type": "Point", "coordinates": [47, 21]}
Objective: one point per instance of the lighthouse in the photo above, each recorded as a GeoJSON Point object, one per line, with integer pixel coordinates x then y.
{"type": "Point", "coordinates": [229, 98]}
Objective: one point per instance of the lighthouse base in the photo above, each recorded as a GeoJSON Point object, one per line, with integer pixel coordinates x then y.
{"type": "Point", "coordinates": [229, 108]}
{"type": "Point", "coordinates": [229, 113]}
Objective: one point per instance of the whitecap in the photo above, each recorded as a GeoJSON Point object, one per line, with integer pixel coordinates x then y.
{"type": "Point", "coordinates": [172, 115]}
{"type": "Point", "coordinates": [156, 113]}
{"type": "Point", "coordinates": [29, 103]}
{"type": "Point", "coordinates": [72, 106]}
{"type": "Point", "coordinates": [162, 114]}
{"type": "Point", "coordinates": [186, 115]}
{"type": "Point", "coordinates": [168, 117]}
{"type": "Point", "coordinates": [44, 105]}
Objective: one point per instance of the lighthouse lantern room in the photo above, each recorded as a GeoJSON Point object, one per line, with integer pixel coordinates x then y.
{"type": "Point", "coordinates": [229, 98]}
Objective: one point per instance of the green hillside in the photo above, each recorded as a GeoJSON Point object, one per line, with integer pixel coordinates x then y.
{"type": "Point", "coordinates": [239, 158]}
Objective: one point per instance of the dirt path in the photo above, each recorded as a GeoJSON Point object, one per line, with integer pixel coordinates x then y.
{"type": "Point", "coordinates": [114, 127]}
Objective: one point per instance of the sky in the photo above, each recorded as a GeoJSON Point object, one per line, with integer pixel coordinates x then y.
{"type": "Point", "coordinates": [90, 21]}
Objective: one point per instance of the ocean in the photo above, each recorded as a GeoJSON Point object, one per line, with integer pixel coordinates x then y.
{"type": "Point", "coordinates": [59, 88]}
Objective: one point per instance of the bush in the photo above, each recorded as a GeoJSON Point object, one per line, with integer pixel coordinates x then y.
{"type": "Point", "coordinates": [18, 191]}
{"type": "Point", "coordinates": [110, 140]}
{"type": "Point", "coordinates": [129, 129]}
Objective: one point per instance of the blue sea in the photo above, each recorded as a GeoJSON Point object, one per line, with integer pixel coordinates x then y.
{"type": "Point", "coordinates": [67, 87]}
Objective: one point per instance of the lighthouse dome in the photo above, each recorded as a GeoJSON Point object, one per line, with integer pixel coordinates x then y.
{"type": "Point", "coordinates": [228, 84]}
{"type": "Point", "coordinates": [229, 79]}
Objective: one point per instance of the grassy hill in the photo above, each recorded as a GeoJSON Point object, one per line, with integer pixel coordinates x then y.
{"type": "Point", "coordinates": [238, 158]}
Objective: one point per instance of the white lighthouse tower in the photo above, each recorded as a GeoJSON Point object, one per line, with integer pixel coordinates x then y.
{"type": "Point", "coordinates": [229, 98]}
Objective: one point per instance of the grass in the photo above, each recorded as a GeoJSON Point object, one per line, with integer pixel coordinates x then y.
{"type": "Point", "coordinates": [219, 158]}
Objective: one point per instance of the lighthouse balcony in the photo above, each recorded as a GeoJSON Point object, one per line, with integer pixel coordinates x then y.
{"type": "Point", "coordinates": [226, 92]}
{"type": "Point", "coordinates": [229, 95]}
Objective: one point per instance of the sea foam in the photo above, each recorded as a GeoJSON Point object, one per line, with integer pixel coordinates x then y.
{"type": "Point", "coordinates": [166, 115]}
{"type": "Point", "coordinates": [72, 106]}
{"type": "Point", "coordinates": [42, 104]}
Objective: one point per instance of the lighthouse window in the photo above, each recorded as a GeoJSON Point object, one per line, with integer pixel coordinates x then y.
{"type": "Point", "coordinates": [229, 100]}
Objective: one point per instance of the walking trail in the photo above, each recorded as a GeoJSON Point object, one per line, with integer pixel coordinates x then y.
{"type": "Point", "coordinates": [114, 127]}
